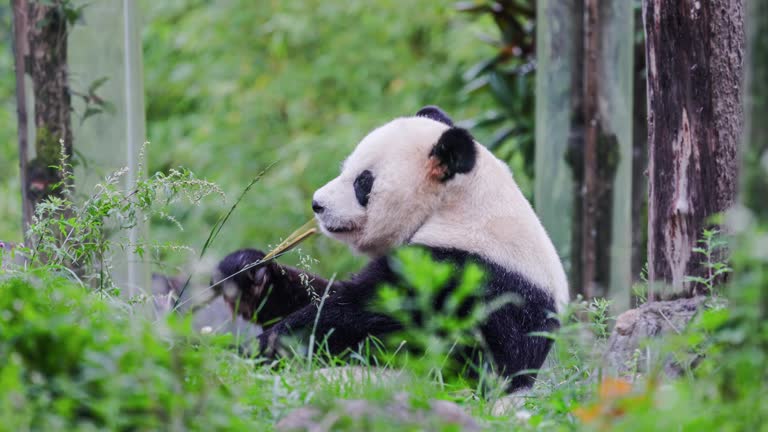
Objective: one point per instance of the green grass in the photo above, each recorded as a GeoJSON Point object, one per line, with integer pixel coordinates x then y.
{"type": "Point", "coordinates": [74, 359]}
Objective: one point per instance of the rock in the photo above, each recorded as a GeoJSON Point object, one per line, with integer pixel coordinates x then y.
{"type": "Point", "coordinates": [355, 414]}
{"type": "Point", "coordinates": [453, 414]}
{"type": "Point", "coordinates": [510, 403]}
{"type": "Point", "coordinates": [215, 315]}
{"type": "Point", "coordinates": [300, 419]}
{"type": "Point", "coordinates": [626, 355]}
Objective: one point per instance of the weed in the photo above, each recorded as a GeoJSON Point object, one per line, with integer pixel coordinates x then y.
{"type": "Point", "coordinates": [715, 261]}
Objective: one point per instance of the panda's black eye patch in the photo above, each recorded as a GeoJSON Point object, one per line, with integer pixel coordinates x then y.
{"type": "Point", "coordinates": [363, 185]}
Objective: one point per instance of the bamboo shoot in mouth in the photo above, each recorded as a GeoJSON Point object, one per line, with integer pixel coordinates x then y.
{"type": "Point", "coordinates": [293, 240]}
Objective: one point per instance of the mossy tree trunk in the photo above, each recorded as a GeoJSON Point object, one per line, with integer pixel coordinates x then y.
{"type": "Point", "coordinates": [41, 53]}
{"type": "Point", "coordinates": [694, 53]}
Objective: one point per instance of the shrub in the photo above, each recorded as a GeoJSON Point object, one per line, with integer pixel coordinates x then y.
{"type": "Point", "coordinates": [74, 360]}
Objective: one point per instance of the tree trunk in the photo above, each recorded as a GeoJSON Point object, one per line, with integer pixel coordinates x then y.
{"type": "Point", "coordinates": [639, 158]}
{"type": "Point", "coordinates": [46, 64]}
{"type": "Point", "coordinates": [575, 151]}
{"type": "Point", "coordinates": [754, 176]}
{"type": "Point", "coordinates": [694, 53]}
{"type": "Point", "coordinates": [754, 191]}
{"type": "Point", "coordinates": [593, 158]}
{"type": "Point", "coordinates": [590, 205]}
{"type": "Point", "coordinates": [20, 53]}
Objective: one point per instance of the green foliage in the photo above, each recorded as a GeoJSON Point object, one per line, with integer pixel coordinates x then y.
{"type": "Point", "coordinates": [435, 325]}
{"type": "Point", "coordinates": [79, 236]}
{"type": "Point", "coordinates": [507, 75]}
{"type": "Point", "coordinates": [725, 389]}
{"type": "Point", "coordinates": [597, 311]}
{"type": "Point", "coordinates": [10, 190]}
{"type": "Point", "coordinates": [77, 361]}
{"type": "Point", "coordinates": [67, 8]}
{"type": "Point", "coordinates": [94, 104]}
{"type": "Point", "coordinates": [713, 251]}
{"type": "Point", "coordinates": [234, 86]}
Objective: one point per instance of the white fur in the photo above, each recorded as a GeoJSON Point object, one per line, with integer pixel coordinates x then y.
{"type": "Point", "coordinates": [228, 288]}
{"type": "Point", "coordinates": [482, 212]}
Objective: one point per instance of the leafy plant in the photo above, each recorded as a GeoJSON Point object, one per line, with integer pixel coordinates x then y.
{"type": "Point", "coordinates": [76, 361]}
{"type": "Point", "coordinates": [79, 237]}
{"type": "Point", "coordinates": [598, 311]}
{"type": "Point", "coordinates": [94, 104]}
{"type": "Point", "coordinates": [436, 325]}
{"type": "Point", "coordinates": [715, 262]}
{"type": "Point", "coordinates": [640, 288]}
{"type": "Point", "coordinates": [508, 76]}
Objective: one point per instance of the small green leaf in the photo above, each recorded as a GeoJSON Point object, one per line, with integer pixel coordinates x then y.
{"type": "Point", "coordinates": [97, 84]}
{"type": "Point", "coordinates": [713, 319]}
{"type": "Point", "coordinates": [90, 111]}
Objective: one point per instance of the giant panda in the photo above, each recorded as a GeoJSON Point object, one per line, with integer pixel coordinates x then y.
{"type": "Point", "coordinates": [417, 180]}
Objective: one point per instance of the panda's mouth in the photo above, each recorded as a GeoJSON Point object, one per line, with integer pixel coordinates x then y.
{"type": "Point", "coordinates": [340, 229]}
{"type": "Point", "coordinates": [335, 225]}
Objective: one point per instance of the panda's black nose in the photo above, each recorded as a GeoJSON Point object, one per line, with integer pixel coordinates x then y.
{"type": "Point", "coordinates": [316, 207]}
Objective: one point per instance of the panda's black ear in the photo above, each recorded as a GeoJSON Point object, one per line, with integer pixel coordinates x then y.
{"type": "Point", "coordinates": [454, 153]}
{"type": "Point", "coordinates": [435, 113]}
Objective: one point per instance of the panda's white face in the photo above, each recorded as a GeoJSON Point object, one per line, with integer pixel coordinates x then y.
{"type": "Point", "coordinates": [388, 186]}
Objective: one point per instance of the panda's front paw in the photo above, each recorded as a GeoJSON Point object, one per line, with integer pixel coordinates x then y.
{"type": "Point", "coordinates": [241, 283]}
{"type": "Point", "coordinates": [269, 342]}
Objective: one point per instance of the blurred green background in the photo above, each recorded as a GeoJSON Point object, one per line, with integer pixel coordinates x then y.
{"type": "Point", "coordinates": [233, 86]}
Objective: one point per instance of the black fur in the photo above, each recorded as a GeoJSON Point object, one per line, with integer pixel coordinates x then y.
{"type": "Point", "coordinates": [435, 113]}
{"type": "Point", "coordinates": [347, 320]}
{"type": "Point", "coordinates": [283, 291]}
{"type": "Point", "coordinates": [456, 152]}
{"type": "Point", "coordinates": [363, 184]}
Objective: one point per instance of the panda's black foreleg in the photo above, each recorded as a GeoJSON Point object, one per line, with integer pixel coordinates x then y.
{"type": "Point", "coordinates": [265, 294]}
{"type": "Point", "coordinates": [336, 327]}
{"type": "Point", "coordinates": [343, 319]}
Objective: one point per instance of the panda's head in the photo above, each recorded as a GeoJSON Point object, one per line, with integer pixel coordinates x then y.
{"type": "Point", "coordinates": [394, 180]}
